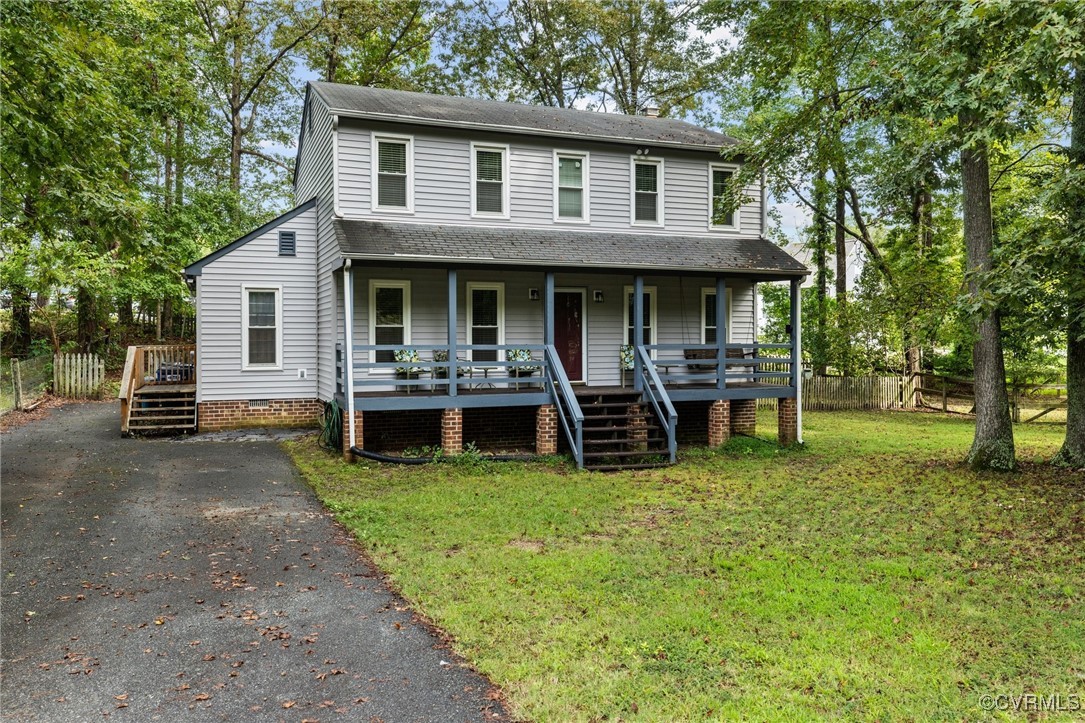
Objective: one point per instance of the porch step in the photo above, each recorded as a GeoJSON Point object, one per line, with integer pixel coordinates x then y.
{"type": "Point", "coordinates": [620, 432]}
{"type": "Point", "coordinates": [162, 408]}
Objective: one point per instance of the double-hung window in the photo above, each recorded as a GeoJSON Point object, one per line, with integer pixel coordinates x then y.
{"type": "Point", "coordinates": [485, 318]}
{"type": "Point", "coordinates": [389, 316]}
{"type": "Point", "coordinates": [490, 180]}
{"type": "Point", "coordinates": [719, 177]}
{"type": "Point", "coordinates": [649, 318]}
{"type": "Point", "coordinates": [709, 325]}
{"type": "Point", "coordinates": [261, 328]}
{"type": "Point", "coordinates": [393, 173]}
{"type": "Point", "coordinates": [647, 192]}
{"type": "Point", "coordinates": [570, 186]}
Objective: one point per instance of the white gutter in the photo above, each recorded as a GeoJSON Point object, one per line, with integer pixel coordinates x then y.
{"type": "Point", "coordinates": [802, 376]}
{"type": "Point", "coordinates": [348, 335]}
{"type": "Point", "coordinates": [335, 169]}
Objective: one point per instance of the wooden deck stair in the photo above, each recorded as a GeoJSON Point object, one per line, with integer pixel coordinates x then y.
{"type": "Point", "coordinates": [620, 431]}
{"type": "Point", "coordinates": [163, 408]}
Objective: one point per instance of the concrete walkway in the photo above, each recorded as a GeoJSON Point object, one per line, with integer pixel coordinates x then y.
{"type": "Point", "coordinates": [152, 580]}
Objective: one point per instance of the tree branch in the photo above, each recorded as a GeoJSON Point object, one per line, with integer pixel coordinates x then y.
{"type": "Point", "coordinates": [1025, 155]}
{"type": "Point", "coordinates": [265, 157]}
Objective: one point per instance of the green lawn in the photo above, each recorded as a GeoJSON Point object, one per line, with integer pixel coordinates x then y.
{"type": "Point", "coordinates": [868, 576]}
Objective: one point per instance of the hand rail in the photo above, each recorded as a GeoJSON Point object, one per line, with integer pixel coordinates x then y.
{"type": "Point", "coordinates": [656, 394]}
{"type": "Point", "coordinates": [565, 401]}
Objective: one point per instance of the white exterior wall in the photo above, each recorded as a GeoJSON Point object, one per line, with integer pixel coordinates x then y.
{"type": "Point", "coordinates": [442, 182]}
{"type": "Point", "coordinates": [678, 310]}
{"type": "Point", "coordinates": [219, 322]}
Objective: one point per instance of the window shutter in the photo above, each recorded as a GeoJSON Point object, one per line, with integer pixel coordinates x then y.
{"type": "Point", "coordinates": [288, 243]}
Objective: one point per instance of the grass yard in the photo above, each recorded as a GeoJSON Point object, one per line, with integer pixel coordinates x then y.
{"type": "Point", "coordinates": [868, 576]}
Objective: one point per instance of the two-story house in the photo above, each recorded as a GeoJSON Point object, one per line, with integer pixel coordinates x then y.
{"type": "Point", "coordinates": [507, 275]}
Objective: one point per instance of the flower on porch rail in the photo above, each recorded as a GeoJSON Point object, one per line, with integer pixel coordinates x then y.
{"type": "Point", "coordinates": [406, 355]}
{"type": "Point", "coordinates": [520, 355]}
{"type": "Point", "coordinates": [625, 353]}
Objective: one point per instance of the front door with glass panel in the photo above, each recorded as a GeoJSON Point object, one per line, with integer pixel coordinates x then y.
{"type": "Point", "coordinates": [569, 332]}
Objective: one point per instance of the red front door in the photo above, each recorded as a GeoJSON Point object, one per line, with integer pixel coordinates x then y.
{"type": "Point", "coordinates": [569, 332]}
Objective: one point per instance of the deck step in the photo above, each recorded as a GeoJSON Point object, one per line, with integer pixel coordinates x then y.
{"type": "Point", "coordinates": [625, 440]}
{"type": "Point", "coordinates": [629, 453]}
{"type": "Point", "coordinates": [161, 418]}
{"type": "Point", "coordinates": [149, 428]}
{"type": "Point", "coordinates": [157, 400]}
{"type": "Point", "coordinates": [620, 467]}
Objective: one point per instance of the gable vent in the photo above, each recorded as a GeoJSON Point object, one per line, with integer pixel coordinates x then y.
{"type": "Point", "coordinates": [259, 404]}
{"type": "Point", "coordinates": [288, 243]}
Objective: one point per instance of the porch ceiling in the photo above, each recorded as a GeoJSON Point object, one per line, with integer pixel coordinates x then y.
{"type": "Point", "coordinates": [603, 250]}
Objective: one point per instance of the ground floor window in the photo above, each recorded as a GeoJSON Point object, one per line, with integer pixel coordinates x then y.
{"type": "Point", "coordinates": [260, 331]}
{"type": "Point", "coordinates": [649, 316]}
{"type": "Point", "coordinates": [485, 318]}
{"type": "Point", "coordinates": [389, 316]}
{"type": "Point", "coordinates": [709, 324]}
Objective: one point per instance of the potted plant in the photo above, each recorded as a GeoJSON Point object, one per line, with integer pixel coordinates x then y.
{"type": "Point", "coordinates": [625, 360]}
{"type": "Point", "coordinates": [441, 355]}
{"type": "Point", "coordinates": [409, 373]}
{"type": "Point", "coordinates": [520, 355]}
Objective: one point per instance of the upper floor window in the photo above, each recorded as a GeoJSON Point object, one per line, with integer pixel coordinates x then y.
{"type": "Point", "coordinates": [261, 341]}
{"type": "Point", "coordinates": [570, 187]}
{"type": "Point", "coordinates": [719, 180]}
{"type": "Point", "coordinates": [647, 192]}
{"type": "Point", "coordinates": [393, 174]}
{"type": "Point", "coordinates": [490, 186]}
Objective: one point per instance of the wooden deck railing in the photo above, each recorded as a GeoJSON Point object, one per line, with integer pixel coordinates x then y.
{"type": "Point", "coordinates": [155, 364]}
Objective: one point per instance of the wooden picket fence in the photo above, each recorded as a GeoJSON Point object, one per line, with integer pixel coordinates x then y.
{"type": "Point", "coordinates": [823, 394]}
{"type": "Point", "coordinates": [78, 376]}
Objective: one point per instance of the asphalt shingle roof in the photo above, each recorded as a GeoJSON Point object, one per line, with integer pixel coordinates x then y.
{"type": "Point", "coordinates": [404, 106]}
{"type": "Point", "coordinates": [561, 248]}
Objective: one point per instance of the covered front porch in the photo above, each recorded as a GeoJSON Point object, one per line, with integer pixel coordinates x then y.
{"type": "Point", "coordinates": [422, 337]}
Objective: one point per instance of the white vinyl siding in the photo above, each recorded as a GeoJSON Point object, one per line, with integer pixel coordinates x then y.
{"type": "Point", "coordinates": [222, 309]}
{"type": "Point", "coordinates": [485, 318]}
{"type": "Point", "coordinates": [646, 192]}
{"type": "Point", "coordinates": [490, 180]}
{"type": "Point", "coordinates": [571, 187]}
{"type": "Point", "coordinates": [393, 173]}
{"type": "Point", "coordinates": [391, 322]}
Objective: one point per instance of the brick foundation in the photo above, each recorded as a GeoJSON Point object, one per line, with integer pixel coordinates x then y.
{"type": "Point", "coordinates": [359, 433]}
{"type": "Point", "coordinates": [238, 414]}
{"type": "Point", "coordinates": [744, 416]}
{"type": "Point", "coordinates": [692, 422]}
{"type": "Point", "coordinates": [719, 422]}
{"type": "Point", "coordinates": [788, 423]}
{"type": "Point", "coordinates": [638, 428]}
{"type": "Point", "coordinates": [546, 430]}
{"type": "Point", "coordinates": [452, 431]}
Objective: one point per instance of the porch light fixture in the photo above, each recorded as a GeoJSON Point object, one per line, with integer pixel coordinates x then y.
{"type": "Point", "coordinates": [597, 296]}
{"type": "Point", "coordinates": [643, 151]}
{"type": "Point", "coordinates": [532, 294]}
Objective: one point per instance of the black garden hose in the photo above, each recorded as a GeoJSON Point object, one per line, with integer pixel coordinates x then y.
{"type": "Point", "coordinates": [331, 427]}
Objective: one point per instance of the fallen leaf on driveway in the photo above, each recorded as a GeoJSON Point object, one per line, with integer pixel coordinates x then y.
{"type": "Point", "coordinates": [289, 704]}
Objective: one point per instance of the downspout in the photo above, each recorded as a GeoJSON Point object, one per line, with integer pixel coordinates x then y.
{"type": "Point", "coordinates": [335, 183]}
{"type": "Point", "coordinates": [348, 335]}
{"type": "Point", "coordinates": [802, 374]}
{"type": "Point", "coordinates": [764, 204]}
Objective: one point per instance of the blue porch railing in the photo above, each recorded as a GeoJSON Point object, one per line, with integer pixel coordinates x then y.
{"type": "Point", "coordinates": [569, 413]}
{"type": "Point", "coordinates": [698, 365]}
{"type": "Point", "coordinates": [656, 395]}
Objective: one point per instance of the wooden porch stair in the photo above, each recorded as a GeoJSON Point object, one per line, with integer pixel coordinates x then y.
{"type": "Point", "coordinates": [163, 408]}
{"type": "Point", "coordinates": [620, 431]}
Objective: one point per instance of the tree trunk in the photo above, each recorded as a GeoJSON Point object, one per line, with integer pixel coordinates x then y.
{"type": "Point", "coordinates": [1073, 448]}
{"type": "Point", "coordinates": [821, 243]}
{"type": "Point", "coordinates": [87, 331]}
{"type": "Point", "coordinates": [841, 251]}
{"type": "Point", "coordinates": [124, 312]}
{"type": "Point", "coordinates": [992, 446]}
{"type": "Point", "coordinates": [20, 321]}
{"type": "Point", "coordinates": [179, 160]}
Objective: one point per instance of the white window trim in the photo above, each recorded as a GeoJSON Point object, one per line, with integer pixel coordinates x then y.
{"type": "Point", "coordinates": [375, 284]}
{"type": "Point", "coordinates": [585, 185]}
{"type": "Point", "coordinates": [733, 168]}
{"type": "Point", "coordinates": [245, 365]}
{"type": "Point", "coordinates": [711, 291]}
{"type": "Point", "coordinates": [650, 292]}
{"type": "Point", "coordinates": [660, 185]}
{"type": "Point", "coordinates": [375, 172]}
{"type": "Point", "coordinates": [503, 149]}
{"type": "Point", "coordinates": [500, 288]}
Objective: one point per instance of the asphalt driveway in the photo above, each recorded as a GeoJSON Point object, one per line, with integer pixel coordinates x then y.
{"type": "Point", "coordinates": [197, 581]}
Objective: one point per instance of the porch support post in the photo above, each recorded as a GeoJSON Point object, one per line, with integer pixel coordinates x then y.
{"type": "Point", "coordinates": [721, 333]}
{"type": "Point", "coordinates": [548, 309]}
{"type": "Point", "coordinates": [796, 351]}
{"type": "Point", "coordinates": [453, 379]}
{"type": "Point", "coordinates": [348, 337]}
{"type": "Point", "coordinates": [638, 330]}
